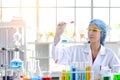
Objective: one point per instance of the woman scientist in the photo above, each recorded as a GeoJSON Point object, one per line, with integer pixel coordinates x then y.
{"type": "Point", "coordinates": [95, 53]}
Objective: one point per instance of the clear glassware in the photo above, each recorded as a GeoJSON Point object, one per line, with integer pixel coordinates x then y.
{"type": "Point", "coordinates": [17, 38]}
{"type": "Point", "coordinates": [36, 71]}
{"type": "Point", "coordinates": [25, 70]}
{"type": "Point", "coordinates": [16, 62]}
{"type": "Point", "coordinates": [116, 72]}
{"type": "Point", "coordinates": [16, 65]}
{"type": "Point", "coordinates": [105, 73]}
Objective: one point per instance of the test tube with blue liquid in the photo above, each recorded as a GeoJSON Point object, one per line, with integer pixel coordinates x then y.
{"type": "Point", "coordinates": [73, 71]}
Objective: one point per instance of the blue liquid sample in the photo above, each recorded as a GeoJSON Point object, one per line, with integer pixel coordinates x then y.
{"type": "Point", "coordinates": [16, 64]}
{"type": "Point", "coordinates": [73, 74]}
{"type": "Point", "coordinates": [78, 75]}
{"type": "Point", "coordinates": [35, 78]}
{"type": "Point", "coordinates": [64, 40]}
{"type": "Point", "coordinates": [83, 76]}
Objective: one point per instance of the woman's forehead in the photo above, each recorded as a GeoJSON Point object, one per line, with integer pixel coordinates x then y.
{"type": "Point", "coordinates": [93, 26]}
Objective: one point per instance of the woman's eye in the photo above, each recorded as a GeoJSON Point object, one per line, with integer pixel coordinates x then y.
{"type": "Point", "coordinates": [95, 30]}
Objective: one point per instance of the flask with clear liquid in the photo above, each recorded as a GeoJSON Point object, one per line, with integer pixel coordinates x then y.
{"type": "Point", "coordinates": [36, 73]}
{"type": "Point", "coordinates": [16, 62]}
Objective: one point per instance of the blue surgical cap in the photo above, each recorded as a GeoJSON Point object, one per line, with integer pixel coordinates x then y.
{"type": "Point", "coordinates": [102, 26]}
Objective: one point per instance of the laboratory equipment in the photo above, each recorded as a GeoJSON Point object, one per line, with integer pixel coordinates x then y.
{"type": "Point", "coordinates": [116, 72]}
{"type": "Point", "coordinates": [7, 77]}
{"type": "Point", "coordinates": [16, 62]}
{"type": "Point", "coordinates": [16, 65]}
{"type": "Point", "coordinates": [106, 73]}
{"type": "Point", "coordinates": [25, 70]}
{"type": "Point", "coordinates": [73, 74]}
{"type": "Point", "coordinates": [46, 75]}
{"type": "Point", "coordinates": [78, 71]}
{"type": "Point", "coordinates": [66, 34]}
{"type": "Point", "coordinates": [36, 71]}
{"type": "Point", "coordinates": [71, 22]}
{"type": "Point", "coordinates": [63, 75]}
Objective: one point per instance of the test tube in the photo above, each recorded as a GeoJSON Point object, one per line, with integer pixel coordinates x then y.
{"type": "Point", "coordinates": [82, 70]}
{"type": "Point", "coordinates": [68, 75]}
{"type": "Point", "coordinates": [63, 76]}
{"type": "Point", "coordinates": [73, 70]}
{"type": "Point", "coordinates": [88, 74]}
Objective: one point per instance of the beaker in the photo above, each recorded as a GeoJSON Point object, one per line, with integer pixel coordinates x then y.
{"type": "Point", "coordinates": [106, 73]}
{"type": "Point", "coordinates": [36, 71]}
{"type": "Point", "coordinates": [56, 75]}
{"type": "Point", "coordinates": [116, 72]}
{"type": "Point", "coordinates": [116, 69]}
{"type": "Point", "coordinates": [46, 75]}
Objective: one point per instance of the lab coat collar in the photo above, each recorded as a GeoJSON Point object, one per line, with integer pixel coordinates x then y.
{"type": "Point", "coordinates": [102, 50]}
{"type": "Point", "coordinates": [88, 49]}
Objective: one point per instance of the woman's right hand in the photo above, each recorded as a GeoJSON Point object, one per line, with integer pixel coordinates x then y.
{"type": "Point", "coordinates": [60, 28]}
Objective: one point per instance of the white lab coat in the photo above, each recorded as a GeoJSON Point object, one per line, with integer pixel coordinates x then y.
{"type": "Point", "coordinates": [82, 53]}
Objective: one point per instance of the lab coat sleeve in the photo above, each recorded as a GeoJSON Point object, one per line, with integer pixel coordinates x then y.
{"type": "Point", "coordinates": [62, 55]}
{"type": "Point", "coordinates": [115, 63]}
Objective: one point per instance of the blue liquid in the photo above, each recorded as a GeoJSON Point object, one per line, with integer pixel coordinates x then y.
{"type": "Point", "coordinates": [73, 69]}
{"type": "Point", "coordinates": [78, 75]}
{"type": "Point", "coordinates": [35, 78]}
{"type": "Point", "coordinates": [83, 76]}
{"type": "Point", "coordinates": [64, 40]}
{"type": "Point", "coordinates": [16, 64]}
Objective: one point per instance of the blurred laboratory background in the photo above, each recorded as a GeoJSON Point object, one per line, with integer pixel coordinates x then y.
{"type": "Point", "coordinates": [27, 28]}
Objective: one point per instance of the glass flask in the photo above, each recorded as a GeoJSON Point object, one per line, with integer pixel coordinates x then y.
{"type": "Point", "coordinates": [16, 62]}
{"type": "Point", "coordinates": [116, 72]}
{"type": "Point", "coordinates": [36, 71]}
{"type": "Point", "coordinates": [106, 73]}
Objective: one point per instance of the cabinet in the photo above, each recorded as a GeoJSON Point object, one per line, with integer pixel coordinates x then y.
{"type": "Point", "coordinates": [43, 53]}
